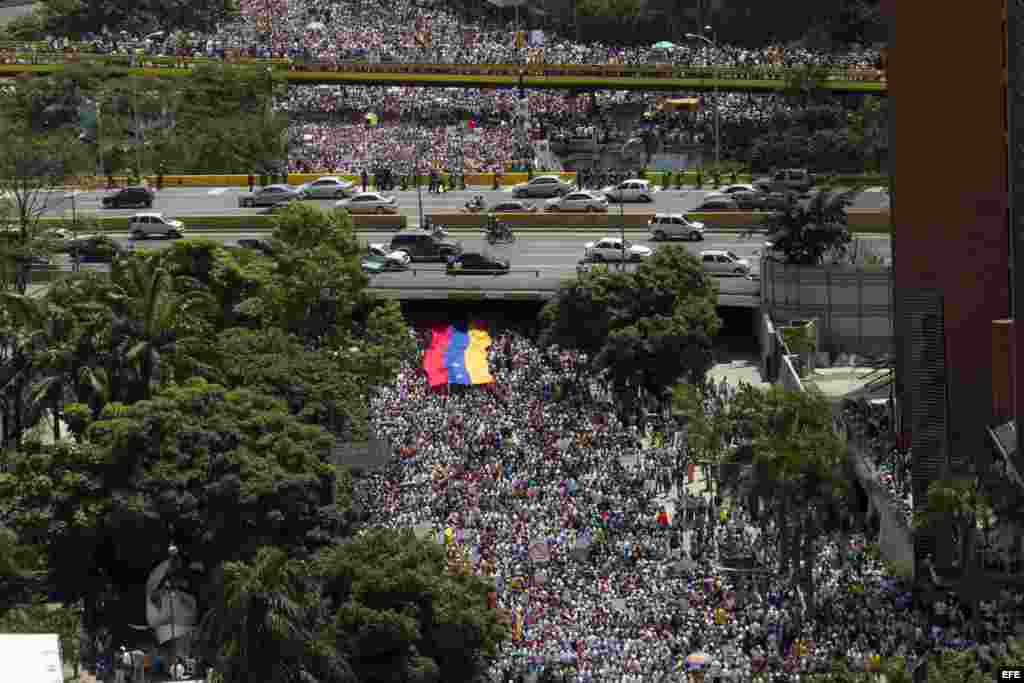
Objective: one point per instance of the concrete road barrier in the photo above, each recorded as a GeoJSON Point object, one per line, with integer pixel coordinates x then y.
{"type": "Point", "coordinates": [612, 219]}
{"type": "Point", "coordinates": [868, 220]}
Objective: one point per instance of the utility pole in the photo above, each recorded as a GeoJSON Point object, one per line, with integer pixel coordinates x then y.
{"type": "Point", "coordinates": [135, 119]}
{"type": "Point", "coordinates": [416, 176]}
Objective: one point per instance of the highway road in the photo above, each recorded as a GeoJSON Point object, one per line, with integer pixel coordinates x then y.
{"type": "Point", "coordinates": [532, 251]}
{"type": "Point", "coordinates": [221, 201]}
{"type": "Point", "coordinates": [539, 262]}
{"type": "Point", "coordinates": [554, 250]}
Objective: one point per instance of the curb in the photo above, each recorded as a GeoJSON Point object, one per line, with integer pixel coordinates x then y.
{"type": "Point", "coordinates": [208, 230]}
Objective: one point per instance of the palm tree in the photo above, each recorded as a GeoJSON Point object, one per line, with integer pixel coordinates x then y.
{"type": "Point", "coordinates": [149, 315]}
{"type": "Point", "coordinates": [264, 624]}
{"type": "Point", "coordinates": [49, 346]}
{"type": "Point", "coordinates": [805, 234]}
{"type": "Point", "coordinates": [796, 464]}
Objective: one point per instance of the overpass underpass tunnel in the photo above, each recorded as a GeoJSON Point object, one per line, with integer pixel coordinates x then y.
{"type": "Point", "coordinates": [738, 336]}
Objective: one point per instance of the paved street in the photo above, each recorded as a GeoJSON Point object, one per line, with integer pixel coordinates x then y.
{"type": "Point", "coordinates": [220, 201]}
{"type": "Point", "coordinates": [555, 250]}
{"type": "Point", "coordinates": [542, 251]}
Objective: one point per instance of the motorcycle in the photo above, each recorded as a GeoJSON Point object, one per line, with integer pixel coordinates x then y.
{"type": "Point", "coordinates": [476, 206]}
{"type": "Point", "coordinates": [500, 234]}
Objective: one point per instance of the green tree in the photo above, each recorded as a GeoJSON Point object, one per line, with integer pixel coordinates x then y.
{"type": "Point", "coordinates": [149, 316]}
{"type": "Point", "coordinates": [961, 504]}
{"type": "Point", "coordinates": [796, 464]}
{"type": "Point", "coordinates": [804, 234]}
{"type": "Point", "coordinates": [18, 562]}
{"type": "Point", "coordinates": [33, 169]}
{"type": "Point", "coordinates": [228, 275]}
{"type": "Point", "coordinates": [315, 384]}
{"type": "Point", "coordinates": [50, 367]}
{"type": "Point", "coordinates": [77, 17]}
{"type": "Point", "coordinates": [581, 314]}
{"type": "Point", "coordinates": [316, 284]}
{"type": "Point", "coordinates": [401, 614]}
{"type": "Point", "coordinates": [894, 670]}
{"type": "Point", "coordinates": [225, 121]}
{"type": "Point", "coordinates": [610, 9]}
{"type": "Point", "coordinates": [219, 472]}
{"type": "Point", "coordinates": [264, 623]}
{"type": "Point", "coordinates": [706, 411]}
{"type": "Point", "coordinates": [647, 328]}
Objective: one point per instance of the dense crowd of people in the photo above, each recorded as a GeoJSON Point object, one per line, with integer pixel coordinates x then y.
{"type": "Point", "coordinates": [868, 425]}
{"type": "Point", "coordinates": [535, 483]}
{"type": "Point", "coordinates": [431, 31]}
{"type": "Point", "coordinates": [332, 122]}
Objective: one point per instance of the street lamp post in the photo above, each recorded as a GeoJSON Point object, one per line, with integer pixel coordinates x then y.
{"type": "Point", "coordinates": [718, 121]}
{"type": "Point", "coordinates": [135, 119]}
{"type": "Point", "coordinates": [172, 552]}
{"type": "Point", "coordinates": [416, 176]}
{"type": "Point", "coordinates": [622, 231]}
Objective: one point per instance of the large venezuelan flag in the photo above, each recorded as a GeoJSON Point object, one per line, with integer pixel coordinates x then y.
{"type": "Point", "coordinates": [458, 355]}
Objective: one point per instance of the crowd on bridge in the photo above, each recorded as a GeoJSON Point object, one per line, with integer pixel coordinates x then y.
{"type": "Point", "coordinates": [328, 32]}
{"type": "Point", "coordinates": [538, 484]}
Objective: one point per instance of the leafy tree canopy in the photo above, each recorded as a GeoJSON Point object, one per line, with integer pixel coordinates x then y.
{"type": "Point", "coordinates": [804, 234]}
{"type": "Point", "coordinates": [314, 383]}
{"type": "Point", "coordinates": [649, 327]}
{"type": "Point", "coordinates": [219, 472]}
{"type": "Point", "coordinates": [79, 17]}
{"type": "Point", "coordinates": [401, 613]}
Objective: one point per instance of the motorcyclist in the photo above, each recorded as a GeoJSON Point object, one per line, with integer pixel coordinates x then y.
{"type": "Point", "coordinates": [437, 231]}
{"type": "Point", "coordinates": [497, 229]}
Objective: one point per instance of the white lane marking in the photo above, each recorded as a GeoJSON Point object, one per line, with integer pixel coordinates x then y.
{"type": "Point", "coordinates": [217, 190]}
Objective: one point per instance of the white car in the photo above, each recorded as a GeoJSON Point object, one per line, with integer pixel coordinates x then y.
{"type": "Point", "coordinates": [542, 186]}
{"type": "Point", "coordinates": [578, 201]}
{"type": "Point", "coordinates": [268, 196]}
{"type": "Point", "coordinates": [668, 226]}
{"type": "Point", "coordinates": [378, 249]}
{"type": "Point", "coordinates": [143, 225]}
{"type": "Point", "coordinates": [614, 248]}
{"type": "Point", "coordinates": [724, 262]}
{"type": "Point", "coordinates": [731, 189]}
{"type": "Point", "coordinates": [634, 190]}
{"type": "Point", "coordinates": [329, 187]}
{"type": "Point", "coordinates": [369, 202]}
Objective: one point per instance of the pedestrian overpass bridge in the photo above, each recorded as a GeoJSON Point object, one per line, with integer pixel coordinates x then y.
{"type": "Point", "coordinates": [573, 77]}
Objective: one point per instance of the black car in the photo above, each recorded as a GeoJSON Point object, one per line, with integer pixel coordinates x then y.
{"type": "Point", "coordinates": [421, 245]}
{"type": "Point", "coordinates": [94, 248]}
{"type": "Point", "coordinates": [471, 263]}
{"type": "Point", "coordinates": [129, 196]}
{"type": "Point", "coordinates": [262, 246]}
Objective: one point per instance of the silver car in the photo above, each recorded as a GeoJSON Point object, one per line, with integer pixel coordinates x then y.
{"type": "Point", "coordinates": [634, 190]}
{"type": "Point", "coordinates": [143, 225]}
{"type": "Point", "coordinates": [542, 186]}
{"type": "Point", "coordinates": [269, 195]}
{"type": "Point", "coordinates": [369, 202]}
{"type": "Point", "coordinates": [578, 201]}
{"type": "Point", "coordinates": [724, 262]}
{"type": "Point", "coordinates": [614, 249]}
{"type": "Point", "coordinates": [330, 187]}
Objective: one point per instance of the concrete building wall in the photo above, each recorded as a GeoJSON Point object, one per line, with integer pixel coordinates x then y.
{"type": "Point", "coordinates": [958, 246]}
{"type": "Point", "coordinates": [851, 304]}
